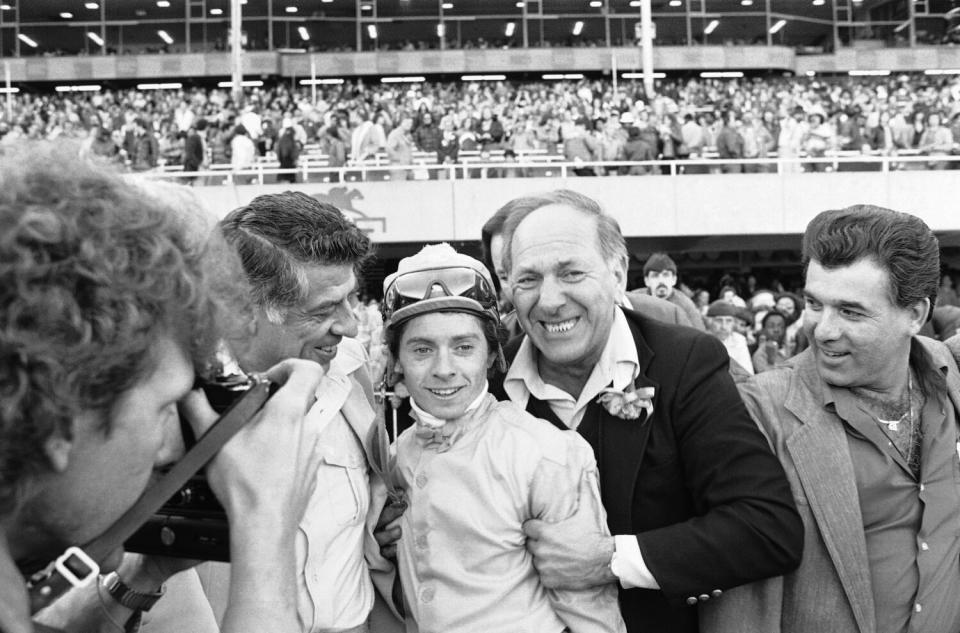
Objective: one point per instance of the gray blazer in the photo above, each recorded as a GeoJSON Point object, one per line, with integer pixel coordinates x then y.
{"type": "Point", "coordinates": [831, 590]}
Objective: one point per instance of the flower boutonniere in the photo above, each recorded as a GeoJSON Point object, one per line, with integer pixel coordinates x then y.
{"type": "Point", "coordinates": [629, 403]}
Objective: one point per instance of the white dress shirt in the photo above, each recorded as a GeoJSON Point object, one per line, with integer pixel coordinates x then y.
{"type": "Point", "coordinates": [618, 366]}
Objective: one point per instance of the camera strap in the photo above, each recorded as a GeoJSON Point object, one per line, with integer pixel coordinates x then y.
{"type": "Point", "coordinates": [77, 567]}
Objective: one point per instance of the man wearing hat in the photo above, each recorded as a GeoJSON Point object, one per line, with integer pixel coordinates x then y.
{"type": "Point", "coordinates": [722, 319]}
{"type": "Point", "coordinates": [660, 279]}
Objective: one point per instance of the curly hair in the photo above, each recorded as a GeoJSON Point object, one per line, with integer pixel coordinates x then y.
{"type": "Point", "coordinates": [276, 235]}
{"type": "Point", "coordinates": [92, 271]}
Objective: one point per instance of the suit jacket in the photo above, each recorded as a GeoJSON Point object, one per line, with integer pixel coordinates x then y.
{"type": "Point", "coordinates": [659, 309]}
{"type": "Point", "coordinates": [831, 590]}
{"type": "Point", "coordinates": [695, 481]}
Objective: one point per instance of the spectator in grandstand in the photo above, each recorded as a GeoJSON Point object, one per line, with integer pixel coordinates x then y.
{"type": "Point", "coordinates": [821, 137]}
{"type": "Point", "coordinates": [771, 348]}
{"type": "Point", "coordinates": [449, 150]}
{"type": "Point", "coordinates": [581, 147]}
{"type": "Point", "coordinates": [194, 151]}
{"type": "Point", "coordinates": [730, 143]}
{"type": "Point", "coordinates": [489, 130]}
{"type": "Point", "coordinates": [721, 321]}
{"type": "Point", "coordinates": [288, 153]}
{"type": "Point", "coordinates": [400, 148]}
{"type": "Point", "coordinates": [791, 306]}
{"type": "Point", "coordinates": [936, 140]}
{"type": "Point", "coordinates": [793, 131]}
{"type": "Point", "coordinates": [367, 137]}
{"type": "Point", "coordinates": [757, 141]}
{"type": "Point", "coordinates": [427, 134]}
{"type": "Point", "coordinates": [692, 134]}
{"type": "Point", "coordinates": [170, 145]}
{"type": "Point", "coordinates": [100, 143]}
{"type": "Point", "coordinates": [638, 148]}
{"type": "Point", "coordinates": [660, 280]}
{"type": "Point", "coordinates": [682, 534]}
{"type": "Point", "coordinates": [219, 142]}
{"type": "Point", "coordinates": [333, 142]}
{"type": "Point", "coordinates": [613, 140]}
{"type": "Point", "coordinates": [865, 423]}
{"type": "Point", "coordinates": [243, 153]}
{"type": "Point", "coordinates": [146, 150]}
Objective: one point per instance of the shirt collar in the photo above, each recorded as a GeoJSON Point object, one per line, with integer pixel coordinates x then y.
{"type": "Point", "coordinates": [618, 364]}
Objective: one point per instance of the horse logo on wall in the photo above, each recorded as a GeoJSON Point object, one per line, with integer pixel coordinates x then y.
{"type": "Point", "coordinates": [343, 198]}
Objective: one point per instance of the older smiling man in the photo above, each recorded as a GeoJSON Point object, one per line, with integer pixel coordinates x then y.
{"type": "Point", "coordinates": [694, 497]}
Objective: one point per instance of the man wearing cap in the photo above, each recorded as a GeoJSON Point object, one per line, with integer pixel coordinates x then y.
{"type": "Point", "coordinates": [722, 321]}
{"type": "Point", "coordinates": [660, 280]}
{"type": "Point", "coordinates": [474, 469]}
{"type": "Point", "coordinates": [694, 498]}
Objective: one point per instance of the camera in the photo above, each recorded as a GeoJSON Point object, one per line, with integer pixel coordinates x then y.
{"type": "Point", "coordinates": [192, 523]}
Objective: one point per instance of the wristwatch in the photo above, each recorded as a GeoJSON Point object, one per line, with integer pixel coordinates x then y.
{"type": "Point", "coordinates": [126, 596]}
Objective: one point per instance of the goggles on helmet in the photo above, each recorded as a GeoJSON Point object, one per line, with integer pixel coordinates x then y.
{"type": "Point", "coordinates": [446, 289]}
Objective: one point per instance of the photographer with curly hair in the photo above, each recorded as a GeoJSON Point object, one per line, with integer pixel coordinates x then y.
{"type": "Point", "coordinates": [107, 304]}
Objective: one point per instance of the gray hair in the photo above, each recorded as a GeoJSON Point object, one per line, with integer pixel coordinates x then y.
{"type": "Point", "coordinates": [609, 237]}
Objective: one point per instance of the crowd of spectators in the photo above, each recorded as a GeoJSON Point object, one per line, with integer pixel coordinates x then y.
{"type": "Point", "coordinates": [583, 121]}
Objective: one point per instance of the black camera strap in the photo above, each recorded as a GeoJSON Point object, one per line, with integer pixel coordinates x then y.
{"type": "Point", "coordinates": [77, 567]}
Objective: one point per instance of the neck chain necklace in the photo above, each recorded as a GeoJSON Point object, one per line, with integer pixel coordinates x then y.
{"type": "Point", "coordinates": [894, 425]}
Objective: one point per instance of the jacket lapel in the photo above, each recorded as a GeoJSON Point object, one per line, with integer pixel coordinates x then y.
{"type": "Point", "coordinates": [623, 444]}
{"type": "Point", "coordinates": [822, 460]}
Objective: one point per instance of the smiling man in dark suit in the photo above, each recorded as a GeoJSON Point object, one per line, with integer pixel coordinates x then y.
{"type": "Point", "coordinates": [695, 498]}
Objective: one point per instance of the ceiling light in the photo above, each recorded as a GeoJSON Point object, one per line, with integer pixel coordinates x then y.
{"type": "Point", "coordinates": [328, 2]}
{"type": "Point", "coordinates": [165, 37]}
{"type": "Point", "coordinates": [722, 74]}
{"type": "Point", "coordinates": [819, 3]}
{"type": "Point", "coordinates": [746, 3]}
{"type": "Point", "coordinates": [520, 5]}
{"type": "Point", "coordinates": [776, 27]}
{"type": "Point", "coordinates": [366, 7]}
{"type": "Point", "coordinates": [942, 71]}
{"type": "Point", "coordinates": [164, 86]}
{"type": "Point", "coordinates": [554, 76]}
{"type": "Point", "coordinates": [27, 40]}
{"type": "Point", "coordinates": [483, 77]}
{"type": "Point", "coordinates": [304, 33]}
{"type": "Point", "coordinates": [403, 80]}
{"type": "Point", "coordinates": [92, 5]}
{"type": "Point", "coordinates": [577, 27]}
{"type": "Point", "coordinates": [447, 5]}
{"type": "Point", "coordinates": [291, 9]}
{"type": "Point", "coordinates": [868, 73]}
{"type": "Point", "coordinates": [511, 27]}
{"type": "Point", "coordinates": [216, 11]}
{"type": "Point", "coordinates": [441, 30]}
{"type": "Point", "coordinates": [372, 31]}
{"type": "Point", "coordinates": [252, 83]}
{"type": "Point", "coordinates": [66, 15]}
{"type": "Point", "coordinates": [329, 81]}
{"type": "Point", "coordinates": [596, 4]}
{"type": "Point", "coordinates": [711, 27]}
{"type": "Point", "coordinates": [96, 39]}
{"type": "Point", "coordinates": [77, 88]}
{"type": "Point", "coordinates": [5, 7]}
{"type": "Point", "coordinates": [635, 3]}
{"type": "Point", "coordinates": [640, 75]}
{"type": "Point", "coordinates": [163, 4]}
{"type": "Point", "coordinates": [811, 73]}
{"type": "Point", "coordinates": [9, 91]}
{"type": "Point", "coordinates": [676, 3]}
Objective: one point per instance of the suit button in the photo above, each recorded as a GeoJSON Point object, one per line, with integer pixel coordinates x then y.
{"type": "Point", "coordinates": [704, 597]}
{"type": "Point", "coordinates": [716, 593]}
{"type": "Point", "coordinates": [691, 600]}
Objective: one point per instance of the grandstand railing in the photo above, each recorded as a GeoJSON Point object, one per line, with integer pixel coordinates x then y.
{"type": "Point", "coordinates": [550, 166]}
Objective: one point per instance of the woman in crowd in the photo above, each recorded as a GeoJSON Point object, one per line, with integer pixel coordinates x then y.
{"type": "Point", "coordinates": [474, 469]}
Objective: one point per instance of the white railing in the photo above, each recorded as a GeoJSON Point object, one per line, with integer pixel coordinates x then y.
{"type": "Point", "coordinates": [547, 166]}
